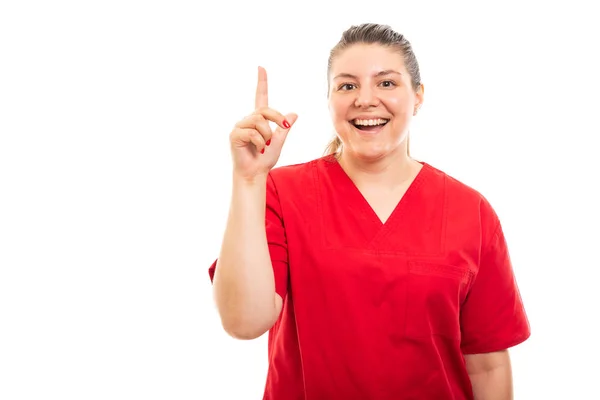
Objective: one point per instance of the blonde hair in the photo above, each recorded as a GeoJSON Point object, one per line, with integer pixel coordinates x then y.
{"type": "Point", "coordinates": [375, 34]}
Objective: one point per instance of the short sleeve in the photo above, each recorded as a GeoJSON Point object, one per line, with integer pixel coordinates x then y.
{"type": "Point", "coordinates": [492, 316]}
{"type": "Point", "coordinates": [276, 239]}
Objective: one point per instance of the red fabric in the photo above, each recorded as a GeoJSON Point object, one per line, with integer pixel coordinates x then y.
{"type": "Point", "coordinates": [384, 310]}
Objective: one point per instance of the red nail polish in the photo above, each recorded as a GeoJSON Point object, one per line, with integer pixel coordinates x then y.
{"type": "Point", "coordinates": [262, 151]}
{"type": "Point", "coordinates": [286, 124]}
{"type": "Point", "coordinates": [268, 142]}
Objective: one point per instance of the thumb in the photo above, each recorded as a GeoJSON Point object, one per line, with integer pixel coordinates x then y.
{"type": "Point", "coordinates": [282, 133]}
{"type": "Point", "coordinates": [291, 118]}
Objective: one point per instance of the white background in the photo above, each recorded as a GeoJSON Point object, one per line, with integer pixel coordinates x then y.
{"type": "Point", "coordinates": [114, 176]}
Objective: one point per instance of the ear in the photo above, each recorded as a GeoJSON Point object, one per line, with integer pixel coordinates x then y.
{"type": "Point", "coordinates": [419, 97]}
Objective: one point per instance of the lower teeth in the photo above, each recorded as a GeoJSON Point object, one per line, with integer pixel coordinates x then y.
{"type": "Point", "coordinates": [368, 126]}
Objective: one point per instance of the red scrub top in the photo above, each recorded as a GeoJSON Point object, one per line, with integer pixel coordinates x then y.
{"type": "Point", "coordinates": [378, 310]}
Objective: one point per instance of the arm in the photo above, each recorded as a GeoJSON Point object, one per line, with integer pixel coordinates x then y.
{"type": "Point", "coordinates": [493, 317]}
{"type": "Point", "coordinates": [491, 375]}
{"type": "Point", "coordinates": [244, 283]}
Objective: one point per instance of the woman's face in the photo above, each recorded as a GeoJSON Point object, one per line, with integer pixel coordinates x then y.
{"type": "Point", "coordinates": [371, 100]}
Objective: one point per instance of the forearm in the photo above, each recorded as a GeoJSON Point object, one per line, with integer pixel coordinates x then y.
{"type": "Point", "coordinates": [493, 384]}
{"type": "Point", "coordinates": [244, 284]}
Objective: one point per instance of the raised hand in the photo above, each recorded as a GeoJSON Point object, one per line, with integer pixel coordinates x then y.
{"type": "Point", "coordinates": [255, 147]}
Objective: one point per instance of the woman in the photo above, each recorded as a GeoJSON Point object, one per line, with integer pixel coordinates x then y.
{"type": "Point", "coordinates": [376, 275]}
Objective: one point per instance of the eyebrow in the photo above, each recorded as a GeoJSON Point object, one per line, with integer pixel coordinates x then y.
{"type": "Point", "coordinates": [382, 73]}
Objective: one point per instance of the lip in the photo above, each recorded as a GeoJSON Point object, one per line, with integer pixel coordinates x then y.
{"type": "Point", "coordinates": [370, 117]}
{"type": "Point", "coordinates": [367, 133]}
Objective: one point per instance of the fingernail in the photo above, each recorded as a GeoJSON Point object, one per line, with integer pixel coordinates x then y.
{"type": "Point", "coordinates": [286, 124]}
{"type": "Point", "coordinates": [268, 142]}
{"type": "Point", "coordinates": [262, 151]}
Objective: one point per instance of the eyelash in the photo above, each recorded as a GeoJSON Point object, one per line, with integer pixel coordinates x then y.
{"type": "Point", "coordinates": [348, 84]}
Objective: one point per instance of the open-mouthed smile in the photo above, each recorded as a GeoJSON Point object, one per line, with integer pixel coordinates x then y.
{"type": "Point", "coordinates": [369, 125]}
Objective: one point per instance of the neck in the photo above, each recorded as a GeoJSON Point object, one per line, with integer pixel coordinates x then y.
{"type": "Point", "coordinates": [392, 170]}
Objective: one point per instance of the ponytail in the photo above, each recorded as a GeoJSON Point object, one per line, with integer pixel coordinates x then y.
{"type": "Point", "coordinates": [334, 147]}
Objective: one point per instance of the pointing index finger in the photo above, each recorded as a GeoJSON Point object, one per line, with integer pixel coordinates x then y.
{"type": "Point", "coordinates": [262, 90]}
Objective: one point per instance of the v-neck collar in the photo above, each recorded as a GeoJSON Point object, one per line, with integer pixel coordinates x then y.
{"type": "Point", "coordinates": [351, 189]}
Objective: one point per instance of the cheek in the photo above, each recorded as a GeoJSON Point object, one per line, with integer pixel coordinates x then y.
{"type": "Point", "coordinates": [399, 103]}
{"type": "Point", "coordinates": [338, 110]}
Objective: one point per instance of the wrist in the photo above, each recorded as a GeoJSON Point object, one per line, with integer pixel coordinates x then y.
{"type": "Point", "coordinates": [258, 179]}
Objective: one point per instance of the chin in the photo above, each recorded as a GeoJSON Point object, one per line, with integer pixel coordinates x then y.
{"type": "Point", "coordinates": [370, 151]}
{"type": "Point", "coordinates": [371, 145]}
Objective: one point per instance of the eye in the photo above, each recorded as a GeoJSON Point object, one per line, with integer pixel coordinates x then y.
{"type": "Point", "coordinates": [388, 84]}
{"type": "Point", "coordinates": [346, 86]}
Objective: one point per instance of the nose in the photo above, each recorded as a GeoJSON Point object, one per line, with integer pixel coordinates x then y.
{"type": "Point", "coordinates": [366, 97]}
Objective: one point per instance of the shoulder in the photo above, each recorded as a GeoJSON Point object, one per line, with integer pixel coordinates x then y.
{"type": "Point", "coordinates": [299, 173]}
{"type": "Point", "coordinates": [465, 198]}
{"type": "Point", "coordinates": [294, 187]}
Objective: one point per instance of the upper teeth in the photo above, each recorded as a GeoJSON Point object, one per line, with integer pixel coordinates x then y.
{"type": "Point", "coordinates": [370, 122]}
